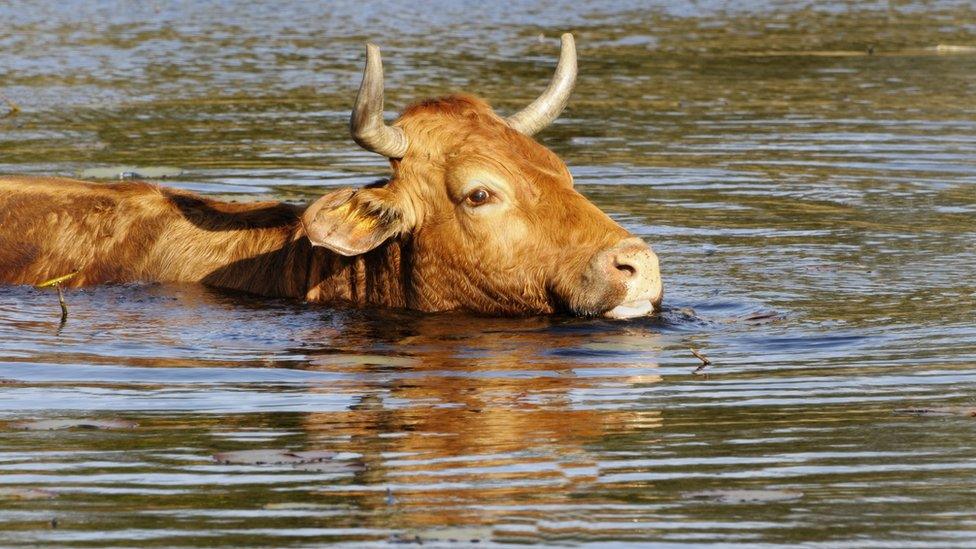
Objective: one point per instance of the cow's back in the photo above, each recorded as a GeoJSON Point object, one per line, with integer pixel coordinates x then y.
{"type": "Point", "coordinates": [50, 227]}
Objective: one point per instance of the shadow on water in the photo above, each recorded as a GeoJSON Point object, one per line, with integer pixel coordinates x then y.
{"type": "Point", "coordinates": [804, 172]}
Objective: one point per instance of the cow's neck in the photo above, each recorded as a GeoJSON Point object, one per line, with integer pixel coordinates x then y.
{"type": "Point", "coordinates": [373, 278]}
{"type": "Point", "coordinates": [283, 263]}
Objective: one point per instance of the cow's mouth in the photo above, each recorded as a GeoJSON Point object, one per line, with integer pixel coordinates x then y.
{"type": "Point", "coordinates": [633, 309]}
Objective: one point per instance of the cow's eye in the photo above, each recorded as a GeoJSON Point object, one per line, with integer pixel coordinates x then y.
{"type": "Point", "coordinates": [478, 197]}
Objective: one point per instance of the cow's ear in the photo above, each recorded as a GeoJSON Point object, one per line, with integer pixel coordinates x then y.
{"type": "Point", "coordinates": [352, 222]}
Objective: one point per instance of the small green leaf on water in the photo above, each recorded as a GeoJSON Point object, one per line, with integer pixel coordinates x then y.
{"type": "Point", "coordinates": [58, 424]}
{"type": "Point", "coordinates": [57, 280]}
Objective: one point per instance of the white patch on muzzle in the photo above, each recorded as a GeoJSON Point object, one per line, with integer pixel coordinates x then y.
{"type": "Point", "coordinates": [631, 310]}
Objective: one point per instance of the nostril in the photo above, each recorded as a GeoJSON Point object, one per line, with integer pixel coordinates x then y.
{"type": "Point", "coordinates": [628, 270]}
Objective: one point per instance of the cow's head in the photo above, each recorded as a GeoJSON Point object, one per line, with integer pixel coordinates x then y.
{"type": "Point", "coordinates": [490, 216]}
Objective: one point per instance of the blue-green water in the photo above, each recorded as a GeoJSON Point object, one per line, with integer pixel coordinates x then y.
{"type": "Point", "coordinates": [807, 174]}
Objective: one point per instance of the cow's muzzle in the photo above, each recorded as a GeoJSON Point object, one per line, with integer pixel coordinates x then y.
{"type": "Point", "coordinates": [633, 265]}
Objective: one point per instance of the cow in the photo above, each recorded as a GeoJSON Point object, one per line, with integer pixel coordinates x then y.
{"type": "Point", "coordinates": [477, 216]}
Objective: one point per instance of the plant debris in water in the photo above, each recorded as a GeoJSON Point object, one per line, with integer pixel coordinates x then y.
{"type": "Point", "coordinates": [704, 359]}
{"type": "Point", "coordinates": [938, 411]}
{"type": "Point", "coordinates": [745, 496]}
{"type": "Point", "coordinates": [460, 535]}
{"type": "Point", "coordinates": [313, 461]}
{"type": "Point", "coordinates": [12, 108]}
{"type": "Point", "coordinates": [272, 457]}
{"type": "Point", "coordinates": [58, 424]}
{"type": "Point", "coordinates": [761, 316]}
{"type": "Point", "coordinates": [56, 282]}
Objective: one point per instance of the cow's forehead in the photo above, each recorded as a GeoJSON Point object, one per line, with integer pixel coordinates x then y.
{"type": "Point", "coordinates": [463, 131]}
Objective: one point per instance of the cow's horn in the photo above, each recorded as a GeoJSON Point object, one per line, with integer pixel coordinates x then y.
{"type": "Point", "coordinates": [541, 112]}
{"type": "Point", "coordinates": [366, 122]}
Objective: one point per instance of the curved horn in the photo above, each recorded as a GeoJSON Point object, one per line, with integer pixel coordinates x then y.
{"type": "Point", "coordinates": [541, 112]}
{"type": "Point", "coordinates": [366, 123]}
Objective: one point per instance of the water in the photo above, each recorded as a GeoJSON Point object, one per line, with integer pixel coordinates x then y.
{"type": "Point", "coordinates": [807, 174]}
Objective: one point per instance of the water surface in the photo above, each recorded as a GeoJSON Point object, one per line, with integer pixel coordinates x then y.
{"type": "Point", "coordinates": [807, 173]}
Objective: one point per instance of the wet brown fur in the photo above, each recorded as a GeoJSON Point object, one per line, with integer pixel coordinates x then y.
{"type": "Point", "coordinates": [529, 258]}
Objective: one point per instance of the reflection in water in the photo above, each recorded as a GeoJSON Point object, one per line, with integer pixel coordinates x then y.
{"type": "Point", "coordinates": [486, 416]}
{"type": "Point", "coordinates": [805, 173]}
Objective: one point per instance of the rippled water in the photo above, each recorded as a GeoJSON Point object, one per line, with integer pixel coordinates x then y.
{"type": "Point", "coordinates": [807, 174]}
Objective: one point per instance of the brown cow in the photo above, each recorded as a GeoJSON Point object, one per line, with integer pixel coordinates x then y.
{"type": "Point", "coordinates": [477, 216]}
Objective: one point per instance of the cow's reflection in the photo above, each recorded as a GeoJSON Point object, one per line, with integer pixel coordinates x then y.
{"type": "Point", "coordinates": [486, 410]}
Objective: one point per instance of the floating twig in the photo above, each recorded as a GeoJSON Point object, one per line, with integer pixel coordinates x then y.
{"type": "Point", "coordinates": [57, 282]}
{"type": "Point", "coordinates": [14, 108]}
{"type": "Point", "coordinates": [64, 306]}
{"type": "Point", "coordinates": [763, 315]}
{"type": "Point", "coordinates": [705, 361]}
